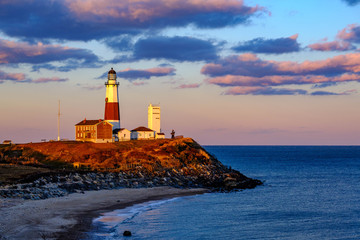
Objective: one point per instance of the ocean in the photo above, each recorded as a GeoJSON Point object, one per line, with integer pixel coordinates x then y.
{"type": "Point", "coordinates": [310, 192]}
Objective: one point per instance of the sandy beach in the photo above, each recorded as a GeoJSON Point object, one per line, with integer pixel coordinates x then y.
{"type": "Point", "coordinates": [68, 217]}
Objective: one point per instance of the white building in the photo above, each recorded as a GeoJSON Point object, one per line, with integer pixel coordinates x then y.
{"type": "Point", "coordinates": [160, 136]}
{"type": "Point", "coordinates": [123, 134]}
{"type": "Point", "coordinates": [154, 118]}
{"type": "Point", "coordinates": [142, 133]}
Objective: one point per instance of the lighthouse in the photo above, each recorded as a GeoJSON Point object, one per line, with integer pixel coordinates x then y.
{"type": "Point", "coordinates": [112, 113]}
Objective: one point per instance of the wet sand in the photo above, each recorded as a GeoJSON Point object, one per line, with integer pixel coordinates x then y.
{"type": "Point", "coordinates": [70, 216]}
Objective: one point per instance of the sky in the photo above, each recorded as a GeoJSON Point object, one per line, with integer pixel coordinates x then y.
{"type": "Point", "coordinates": [225, 72]}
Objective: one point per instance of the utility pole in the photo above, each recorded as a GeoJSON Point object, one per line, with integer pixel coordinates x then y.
{"type": "Point", "coordinates": [59, 122]}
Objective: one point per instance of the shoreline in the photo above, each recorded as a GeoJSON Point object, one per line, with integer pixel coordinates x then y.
{"type": "Point", "coordinates": [71, 216]}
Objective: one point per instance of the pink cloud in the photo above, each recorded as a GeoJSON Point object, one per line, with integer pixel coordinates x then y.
{"type": "Point", "coordinates": [183, 86]}
{"type": "Point", "coordinates": [350, 33]}
{"type": "Point", "coordinates": [332, 46]}
{"type": "Point", "coordinates": [12, 76]}
{"type": "Point", "coordinates": [251, 65]}
{"type": "Point", "coordinates": [248, 74]}
{"type": "Point", "coordinates": [344, 38]}
{"type": "Point", "coordinates": [137, 12]}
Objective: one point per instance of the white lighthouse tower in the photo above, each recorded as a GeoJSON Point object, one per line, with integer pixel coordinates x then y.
{"type": "Point", "coordinates": [154, 118]}
{"type": "Point", "coordinates": [112, 113]}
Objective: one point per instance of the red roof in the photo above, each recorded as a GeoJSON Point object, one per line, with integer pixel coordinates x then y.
{"type": "Point", "coordinates": [142, 129]}
{"type": "Point", "coordinates": [119, 130]}
{"type": "Point", "coordinates": [160, 133]}
{"type": "Point", "coordinates": [89, 122]}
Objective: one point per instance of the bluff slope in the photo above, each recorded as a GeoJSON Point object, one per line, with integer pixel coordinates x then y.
{"type": "Point", "coordinates": [41, 170]}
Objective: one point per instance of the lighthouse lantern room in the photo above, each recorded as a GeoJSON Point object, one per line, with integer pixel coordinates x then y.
{"type": "Point", "coordinates": [112, 113]}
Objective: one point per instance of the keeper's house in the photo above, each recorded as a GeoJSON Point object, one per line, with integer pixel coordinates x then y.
{"type": "Point", "coordinates": [142, 133]}
{"type": "Point", "coordinates": [97, 131]}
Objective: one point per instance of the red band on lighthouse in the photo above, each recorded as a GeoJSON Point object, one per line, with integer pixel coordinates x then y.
{"type": "Point", "coordinates": [112, 111]}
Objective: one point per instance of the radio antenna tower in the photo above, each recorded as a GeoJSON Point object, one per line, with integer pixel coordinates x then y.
{"type": "Point", "coordinates": [59, 122]}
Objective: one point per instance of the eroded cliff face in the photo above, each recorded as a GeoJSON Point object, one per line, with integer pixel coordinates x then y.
{"type": "Point", "coordinates": [178, 163]}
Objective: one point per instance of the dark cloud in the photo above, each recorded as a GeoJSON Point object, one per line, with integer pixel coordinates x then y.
{"type": "Point", "coordinates": [122, 43]}
{"type": "Point", "coordinates": [325, 84]}
{"type": "Point", "coordinates": [175, 49]}
{"type": "Point", "coordinates": [93, 19]}
{"type": "Point", "coordinates": [352, 2]}
{"type": "Point", "coordinates": [323, 93]}
{"type": "Point", "coordinates": [40, 55]}
{"type": "Point", "coordinates": [134, 74]}
{"type": "Point", "coordinates": [271, 46]}
{"type": "Point", "coordinates": [165, 65]}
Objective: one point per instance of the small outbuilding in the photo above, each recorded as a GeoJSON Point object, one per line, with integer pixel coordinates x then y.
{"type": "Point", "coordinates": [97, 131]}
{"type": "Point", "coordinates": [9, 142]}
{"type": "Point", "coordinates": [160, 135]}
{"type": "Point", "coordinates": [142, 133]}
{"type": "Point", "coordinates": [123, 134]}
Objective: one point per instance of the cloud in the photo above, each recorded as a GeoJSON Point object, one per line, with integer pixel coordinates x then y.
{"type": "Point", "coordinates": [324, 93]}
{"type": "Point", "coordinates": [325, 84]}
{"type": "Point", "coordinates": [332, 46]}
{"type": "Point", "coordinates": [351, 33]}
{"type": "Point", "coordinates": [139, 83]}
{"type": "Point", "coordinates": [12, 76]}
{"type": "Point", "coordinates": [251, 75]}
{"type": "Point", "coordinates": [21, 78]}
{"type": "Point", "coordinates": [172, 48]}
{"type": "Point", "coordinates": [93, 19]}
{"type": "Point", "coordinates": [91, 88]}
{"type": "Point", "coordinates": [264, 91]}
{"type": "Point", "coordinates": [251, 65]}
{"type": "Point", "coordinates": [41, 54]}
{"type": "Point", "coordinates": [274, 46]}
{"type": "Point", "coordinates": [133, 74]}
{"type": "Point", "coordinates": [352, 2]}
{"type": "Point", "coordinates": [184, 86]}
{"type": "Point", "coordinates": [344, 40]}
{"type": "Point", "coordinates": [121, 43]}
{"type": "Point", "coordinates": [47, 80]}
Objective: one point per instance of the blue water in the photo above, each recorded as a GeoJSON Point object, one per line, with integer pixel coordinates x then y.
{"type": "Point", "coordinates": [310, 192]}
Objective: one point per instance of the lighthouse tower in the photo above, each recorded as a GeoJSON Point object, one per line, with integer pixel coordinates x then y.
{"type": "Point", "coordinates": [112, 113]}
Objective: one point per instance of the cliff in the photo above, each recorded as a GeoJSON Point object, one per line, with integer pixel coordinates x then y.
{"type": "Point", "coordinates": [76, 166]}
